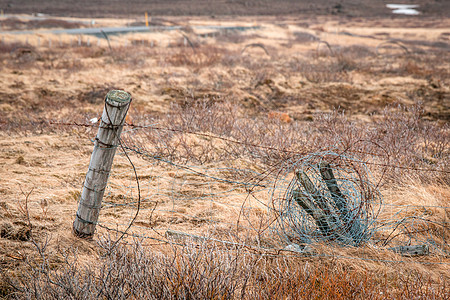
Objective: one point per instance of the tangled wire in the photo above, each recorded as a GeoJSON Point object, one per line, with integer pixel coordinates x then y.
{"type": "Point", "coordinates": [326, 197]}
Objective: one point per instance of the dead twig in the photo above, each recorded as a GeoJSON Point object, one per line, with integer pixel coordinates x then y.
{"type": "Point", "coordinates": [24, 209]}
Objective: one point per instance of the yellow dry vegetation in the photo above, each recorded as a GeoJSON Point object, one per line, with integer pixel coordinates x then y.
{"type": "Point", "coordinates": [286, 80]}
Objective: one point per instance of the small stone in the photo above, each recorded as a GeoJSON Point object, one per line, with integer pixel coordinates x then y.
{"type": "Point", "coordinates": [306, 250]}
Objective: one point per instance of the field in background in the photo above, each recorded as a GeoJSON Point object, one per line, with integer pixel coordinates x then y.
{"type": "Point", "coordinates": [232, 105]}
{"type": "Point", "coordinates": [343, 8]}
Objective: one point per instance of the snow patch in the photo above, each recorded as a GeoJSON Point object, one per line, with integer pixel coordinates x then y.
{"type": "Point", "coordinates": [404, 9]}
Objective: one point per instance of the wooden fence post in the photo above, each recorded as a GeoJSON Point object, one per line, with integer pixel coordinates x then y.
{"type": "Point", "coordinates": [116, 107]}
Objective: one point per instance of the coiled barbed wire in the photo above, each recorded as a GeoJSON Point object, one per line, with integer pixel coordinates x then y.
{"type": "Point", "coordinates": [326, 197]}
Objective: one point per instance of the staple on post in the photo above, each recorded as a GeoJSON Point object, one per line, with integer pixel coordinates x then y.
{"type": "Point", "coordinates": [108, 138]}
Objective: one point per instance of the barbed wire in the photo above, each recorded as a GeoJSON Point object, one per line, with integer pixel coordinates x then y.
{"type": "Point", "coordinates": [330, 197]}
{"type": "Point", "coordinates": [372, 225]}
{"type": "Point", "coordinates": [278, 185]}
{"type": "Point", "coordinates": [206, 135]}
{"type": "Point", "coordinates": [359, 226]}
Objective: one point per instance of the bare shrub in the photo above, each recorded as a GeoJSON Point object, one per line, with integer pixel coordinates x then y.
{"type": "Point", "coordinates": [406, 139]}
{"type": "Point", "coordinates": [345, 62]}
{"type": "Point", "coordinates": [19, 55]}
{"type": "Point", "coordinates": [176, 137]}
{"type": "Point", "coordinates": [204, 131]}
{"type": "Point", "coordinates": [357, 51]}
{"type": "Point", "coordinates": [17, 24]}
{"type": "Point", "coordinates": [211, 130]}
{"type": "Point", "coordinates": [135, 271]}
{"type": "Point", "coordinates": [12, 47]}
{"type": "Point", "coordinates": [415, 64]}
{"type": "Point", "coordinates": [201, 57]}
{"type": "Point", "coordinates": [92, 52]}
{"type": "Point", "coordinates": [323, 70]}
{"type": "Point", "coordinates": [304, 37]}
{"type": "Point", "coordinates": [400, 141]}
{"type": "Point", "coordinates": [337, 130]}
{"type": "Point", "coordinates": [235, 37]}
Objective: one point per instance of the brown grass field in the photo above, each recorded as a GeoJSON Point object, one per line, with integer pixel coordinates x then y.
{"type": "Point", "coordinates": [231, 105]}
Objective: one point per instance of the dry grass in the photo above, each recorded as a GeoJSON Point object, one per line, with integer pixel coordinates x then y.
{"type": "Point", "coordinates": [217, 107]}
{"type": "Point", "coordinates": [212, 131]}
{"type": "Point", "coordinates": [132, 271]}
{"type": "Point", "coordinates": [206, 56]}
{"type": "Point", "coordinates": [18, 24]}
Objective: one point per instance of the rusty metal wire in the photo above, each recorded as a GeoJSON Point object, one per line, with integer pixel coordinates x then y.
{"type": "Point", "coordinates": [326, 197]}
{"type": "Point", "coordinates": [229, 140]}
{"type": "Point", "coordinates": [303, 215]}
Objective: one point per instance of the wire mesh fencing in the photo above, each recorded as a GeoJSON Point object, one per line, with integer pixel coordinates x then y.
{"type": "Point", "coordinates": [328, 197]}
{"type": "Point", "coordinates": [325, 198]}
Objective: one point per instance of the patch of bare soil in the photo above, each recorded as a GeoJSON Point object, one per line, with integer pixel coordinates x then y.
{"type": "Point", "coordinates": [18, 24]}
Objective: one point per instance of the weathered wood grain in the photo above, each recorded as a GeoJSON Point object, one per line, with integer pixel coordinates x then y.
{"type": "Point", "coordinates": [105, 145]}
